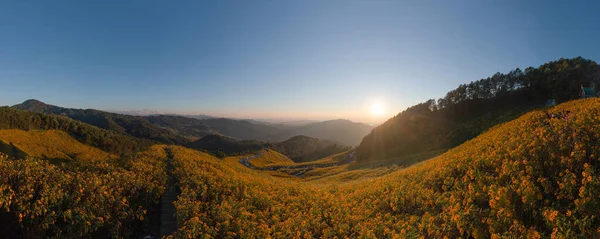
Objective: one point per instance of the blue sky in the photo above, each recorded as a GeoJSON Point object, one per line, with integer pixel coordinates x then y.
{"type": "Point", "coordinates": [277, 58]}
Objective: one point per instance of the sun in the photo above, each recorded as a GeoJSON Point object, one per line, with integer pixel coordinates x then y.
{"type": "Point", "coordinates": [377, 109]}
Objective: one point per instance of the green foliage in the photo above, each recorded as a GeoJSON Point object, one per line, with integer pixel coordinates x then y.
{"type": "Point", "coordinates": [473, 108]}
{"type": "Point", "coordinates": [220, 154]}
{"type": "Point", "coordinates": [109, 141]}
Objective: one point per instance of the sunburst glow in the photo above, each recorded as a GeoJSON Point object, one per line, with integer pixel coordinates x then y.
{"type": "Point", "coordinates": [377, 109]}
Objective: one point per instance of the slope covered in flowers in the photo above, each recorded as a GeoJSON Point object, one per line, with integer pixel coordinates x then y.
{"type": "Point", "coordinates": [54, 144]}
{"type": "Point", "coordinates": [536, 176]}
{"type": "Point", "coordinates": [80, 199]}
{"type": "Point", "coordinates": [270, 158]}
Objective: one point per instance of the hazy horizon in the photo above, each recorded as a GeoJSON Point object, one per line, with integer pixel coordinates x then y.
{"type": "Point", "coordinates": [298, 60]}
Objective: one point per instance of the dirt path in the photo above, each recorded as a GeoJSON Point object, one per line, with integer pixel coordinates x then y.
{"type": "Point", "coordinates": [168, 222]}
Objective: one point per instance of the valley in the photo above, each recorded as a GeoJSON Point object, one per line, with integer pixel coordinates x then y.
{"type": "Point", "coordinates": [296, 169]}
{"type": "Point", "coordinates": [479, 167]}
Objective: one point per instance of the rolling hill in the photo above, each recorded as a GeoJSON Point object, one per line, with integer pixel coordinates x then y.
{"type": "Point", "coordinates": [270, 158]}
{"type": "Point", "coordinates": [190, 128]}
{"type": "Point", "coordinates": [298, 148]}
{"type": "Point", "coordinates": [471, 109]}
{"type": "Point", "coordinates": [343, 131]}
{"type": "Point", "coordinates": [303, 148]}
{"type": "Point", "coordinates": [109, 141]}
{"type": "Point", "coordinates": [48, 144]}
{"type": "Point", "coordinates": [136, 126]}
{"type": "Point", "coordinates": [242, 129]}
{"type": "Point", "coordinates": [218, 143]}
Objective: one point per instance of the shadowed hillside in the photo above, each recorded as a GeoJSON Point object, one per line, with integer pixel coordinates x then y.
{"type": "Point", "coordinates": [303, 149]}
{"type": "Point", "coordinates": [219, 145]}
{"type": "Point", "coordinates": [473, 108]}
{"type": "Point", "coordinates": [298, 148]}
{"type": "Point", "coordinates": [181, 125]}
{"type": "Point", "coordinates": [242, 129]}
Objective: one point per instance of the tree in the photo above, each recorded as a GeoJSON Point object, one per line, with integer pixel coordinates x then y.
{"type": "Point", "coordinates": [220, 154]}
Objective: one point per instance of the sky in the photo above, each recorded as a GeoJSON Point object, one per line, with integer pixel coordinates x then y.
{"type": "Point", "coordinates": [360, 60]}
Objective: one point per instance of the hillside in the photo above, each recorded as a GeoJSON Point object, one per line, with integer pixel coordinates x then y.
{"type": "Point", "coordinates": [190, 128]}
{"type": "Point", "coordinates": [242, 129]}
{"type": "Point", "coordinates": [49, 144]}
{"type": "Point", "coordinates": [108, 141]}
{"type": "Point", "coordinates": [471, 109]}
{"type": "Point", "coordinates": [270, 158]}
{"type": "Point", "coordinates": [136, 126]}
{"type": "Point", "coordinates": [303, 148]}
{"type": "Point", "coordinates": [533, 176]}
{"type": "Point", "coordinates": [83, 198]}
{"type": "Point", "coordinates": [536, 176]}
{"type": "Point", "coordinates": [298, 148]}
{"type": "Point", "coordinates": [217, 143]}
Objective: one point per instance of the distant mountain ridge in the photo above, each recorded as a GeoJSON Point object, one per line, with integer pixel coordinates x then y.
{"type": "Point", "coordinates": [342, 131]}
{"type": "Point", "coordinates": [216, 144]}
{"type": "Point", "coordinates": [137, 126]}
{"type": "Point", "coordinates": [298, 148]}
{"type": "Point", "coordinates": [303, 148]}
{"type": "Point", "coordinates": [176, 129]}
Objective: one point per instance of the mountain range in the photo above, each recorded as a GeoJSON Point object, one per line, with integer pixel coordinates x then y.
{"type": "Point", "coordinates": [176, 129]}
